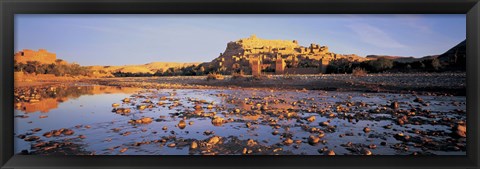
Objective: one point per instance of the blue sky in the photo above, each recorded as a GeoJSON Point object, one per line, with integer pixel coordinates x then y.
{"type": "Point", "coordinates": [139, 39]}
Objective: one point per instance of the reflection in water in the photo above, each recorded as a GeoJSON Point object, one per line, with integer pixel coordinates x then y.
{"type": "Point", "coordinates": [91, 120]}
{"type": "Point", "coordinates": [44, 99]}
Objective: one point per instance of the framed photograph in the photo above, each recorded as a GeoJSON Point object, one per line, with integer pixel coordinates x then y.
{"type": "Point", "coordinates": [239, 84]}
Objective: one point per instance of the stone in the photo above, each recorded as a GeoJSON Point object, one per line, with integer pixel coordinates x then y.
{"type": "Point", "coordinates": [366, 129]}
{"type": "Point", "coordinates": [311, 119]}
{"type": "Point", "coordinates": [193, 145]}
{"type": "Point", "coordinates": [214, 140]}
{"type": "Point", "coordinates": [251, 143]}
{"type": "Point", "coordinates": [460, 130]}
{"type": "Point", "coordinates": [366, 152]}
{"type": "Point", "coordinates": [418, 100]}
{"type": "Point", "coordinates": [31, 138]}
{"type": "Point", "coordinates": [330, 153]}
{"type": "Point", "coordinates": [123, 150]}
{"type": "Point", "coordinates": [312, 140]}
{"type": "Point", "coordinates": [68, 132]}
{"type": "Point", "coordinates": [394, 105]}
{"type": "Point", "coordinates": [288, 141]}
{"type": "Point", "coordinates": [217, 121]}
{"type": "Point", "coordinates": [325, 123]}
{"type": "Point", "coordinates": [182, 124]}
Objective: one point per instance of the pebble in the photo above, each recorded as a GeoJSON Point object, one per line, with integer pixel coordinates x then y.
{"type": "Point", "coordinates": [214, 140]}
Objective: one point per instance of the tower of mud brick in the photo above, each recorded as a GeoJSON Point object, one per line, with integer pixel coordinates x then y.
{"type": "Point", "coordinates": [256, 66]}
{"type": "Point", "coordinates": [323, 65]}
{"type": "Point", "coordinates": [280, 66]}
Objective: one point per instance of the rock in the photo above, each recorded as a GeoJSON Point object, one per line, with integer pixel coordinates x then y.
{"type": "Point", "coordinates": [244, 151]}
{"type": "Point", "coordinates": [208, 132]}
{"type": "Point", "coordinates": [418, 100]}
{"type": "Point", "coordinates": [115, 105]}
{"type": "Point", "coordinates": [190, 123]}
{"type": "Point", "coordinates": [36, 130]}
{"type": "Point", "coordinates": [366, 152]}
{"type": "Point", "coordinates": [122, 111]}
{"type": "Point", "coordinates": [325, 123]}
{"type": "Point", "coordinates": [21, 136]}
{"type": "Point", "coordinates": [401, 137]}
{"type": "Point", "coordinates": [288, 141]}
{"type": "Point", "coordinates": [171, 145]}
{"type": "Point", "coordinates": [330, 153]}
{"type": "Point", "coordinates": [182, 124]}
{"type": "Point", "coordinates": [82, 136]}
{"type": "Point", "coordinates": [141, 107]}
{"type": "Point", "coordinates": [275, 132]}
{"type": "Point", "coordinates": [311, 119]}
{"type": "Point", "coordinates": [126, 100]}
{"type": "Point", "coordinates": [68, 132]}
{"type": "Point", "coordinates": [214, 140]}
{"type": "Point", "coordinates": [372, 146]}
{"type": "Point", "coordinates": [312, 140]}
{"type": "Point", "coordinates": [146, 120]}
{"type": "Point", "coordinates": [251, 143]}
{"type": "Point", "coordinates": [164, 128]}
{"type": "Point", "coordinates": [198, 107]}
{"type": "Point", "coordinates": [48, 134]}
{"type": "Point", "coordinates": [31, 138]}
{"type": "Point", "coordinates": [123, 150]}
{"type": "Point", "coordinates": [366, 130]}
{"type": "Point", "coordinates": [209, 106]}
{"type": "Point", "coordinates": [460, 130]}
{"type": "Point", "coordinates": [217, 121]}
{"type": "Point", "coordinates": [42, 116]}
{"type": "Point", "coordinates": [193, 145]}
{"type": "Point", "coordinates": [394, 105]}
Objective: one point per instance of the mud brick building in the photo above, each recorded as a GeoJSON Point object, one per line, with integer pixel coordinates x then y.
{"type": "Point", "coordinates": [42, 56]}
{"type": "Point", "coordinates": [257, 56]}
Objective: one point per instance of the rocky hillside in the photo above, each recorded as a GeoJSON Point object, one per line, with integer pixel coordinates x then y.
{"type": "Point", "coordinates": [456, 54]}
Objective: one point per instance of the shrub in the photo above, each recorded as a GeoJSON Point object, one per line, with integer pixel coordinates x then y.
{"type": "Point", "coordinates": [238, 75]}
{"type": "Point", "coordinates": [287, 76]}
{"type": "Point", "coordinates": [215, 76]}
{"type": "Point", "coordinates": [359, 72]}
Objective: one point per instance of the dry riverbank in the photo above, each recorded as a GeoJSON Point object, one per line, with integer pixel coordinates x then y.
{"type": "Point", "coordinates": [439, 83]}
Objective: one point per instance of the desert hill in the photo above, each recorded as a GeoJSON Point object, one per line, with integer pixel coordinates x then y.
{"type": "Point", "coordinates": [145, 68]}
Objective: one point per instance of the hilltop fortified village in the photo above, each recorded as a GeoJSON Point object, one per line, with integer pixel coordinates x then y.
{"type": "Point", "coordinates": [259, 56]}
{"type": "Point", "coordinates": [42, 56]}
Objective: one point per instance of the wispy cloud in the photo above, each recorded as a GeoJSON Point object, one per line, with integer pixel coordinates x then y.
{"type": "Point", "coordinates": [416, 22]}
{"type": "Point", "coordinates": [375, 36]}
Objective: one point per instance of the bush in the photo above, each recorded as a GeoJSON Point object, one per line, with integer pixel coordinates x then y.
{"type": "Point", "coordinates": [359, 72]}
{"type": "Point", "coordinates": [238, 75]}
{"type": "Point", "coordinates": [287, 76]}
{"type": "Point", "coordinates": [215, 76]}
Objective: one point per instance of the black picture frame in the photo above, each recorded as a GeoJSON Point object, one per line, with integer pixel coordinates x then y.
{"type": "Point", "coordinates": [9, 8]}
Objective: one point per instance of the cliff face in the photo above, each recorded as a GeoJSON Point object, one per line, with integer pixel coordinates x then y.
{"type": "Point", "coordinates": [239, 54]}
{"type": "Point", "coordinates": [42, 56]}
